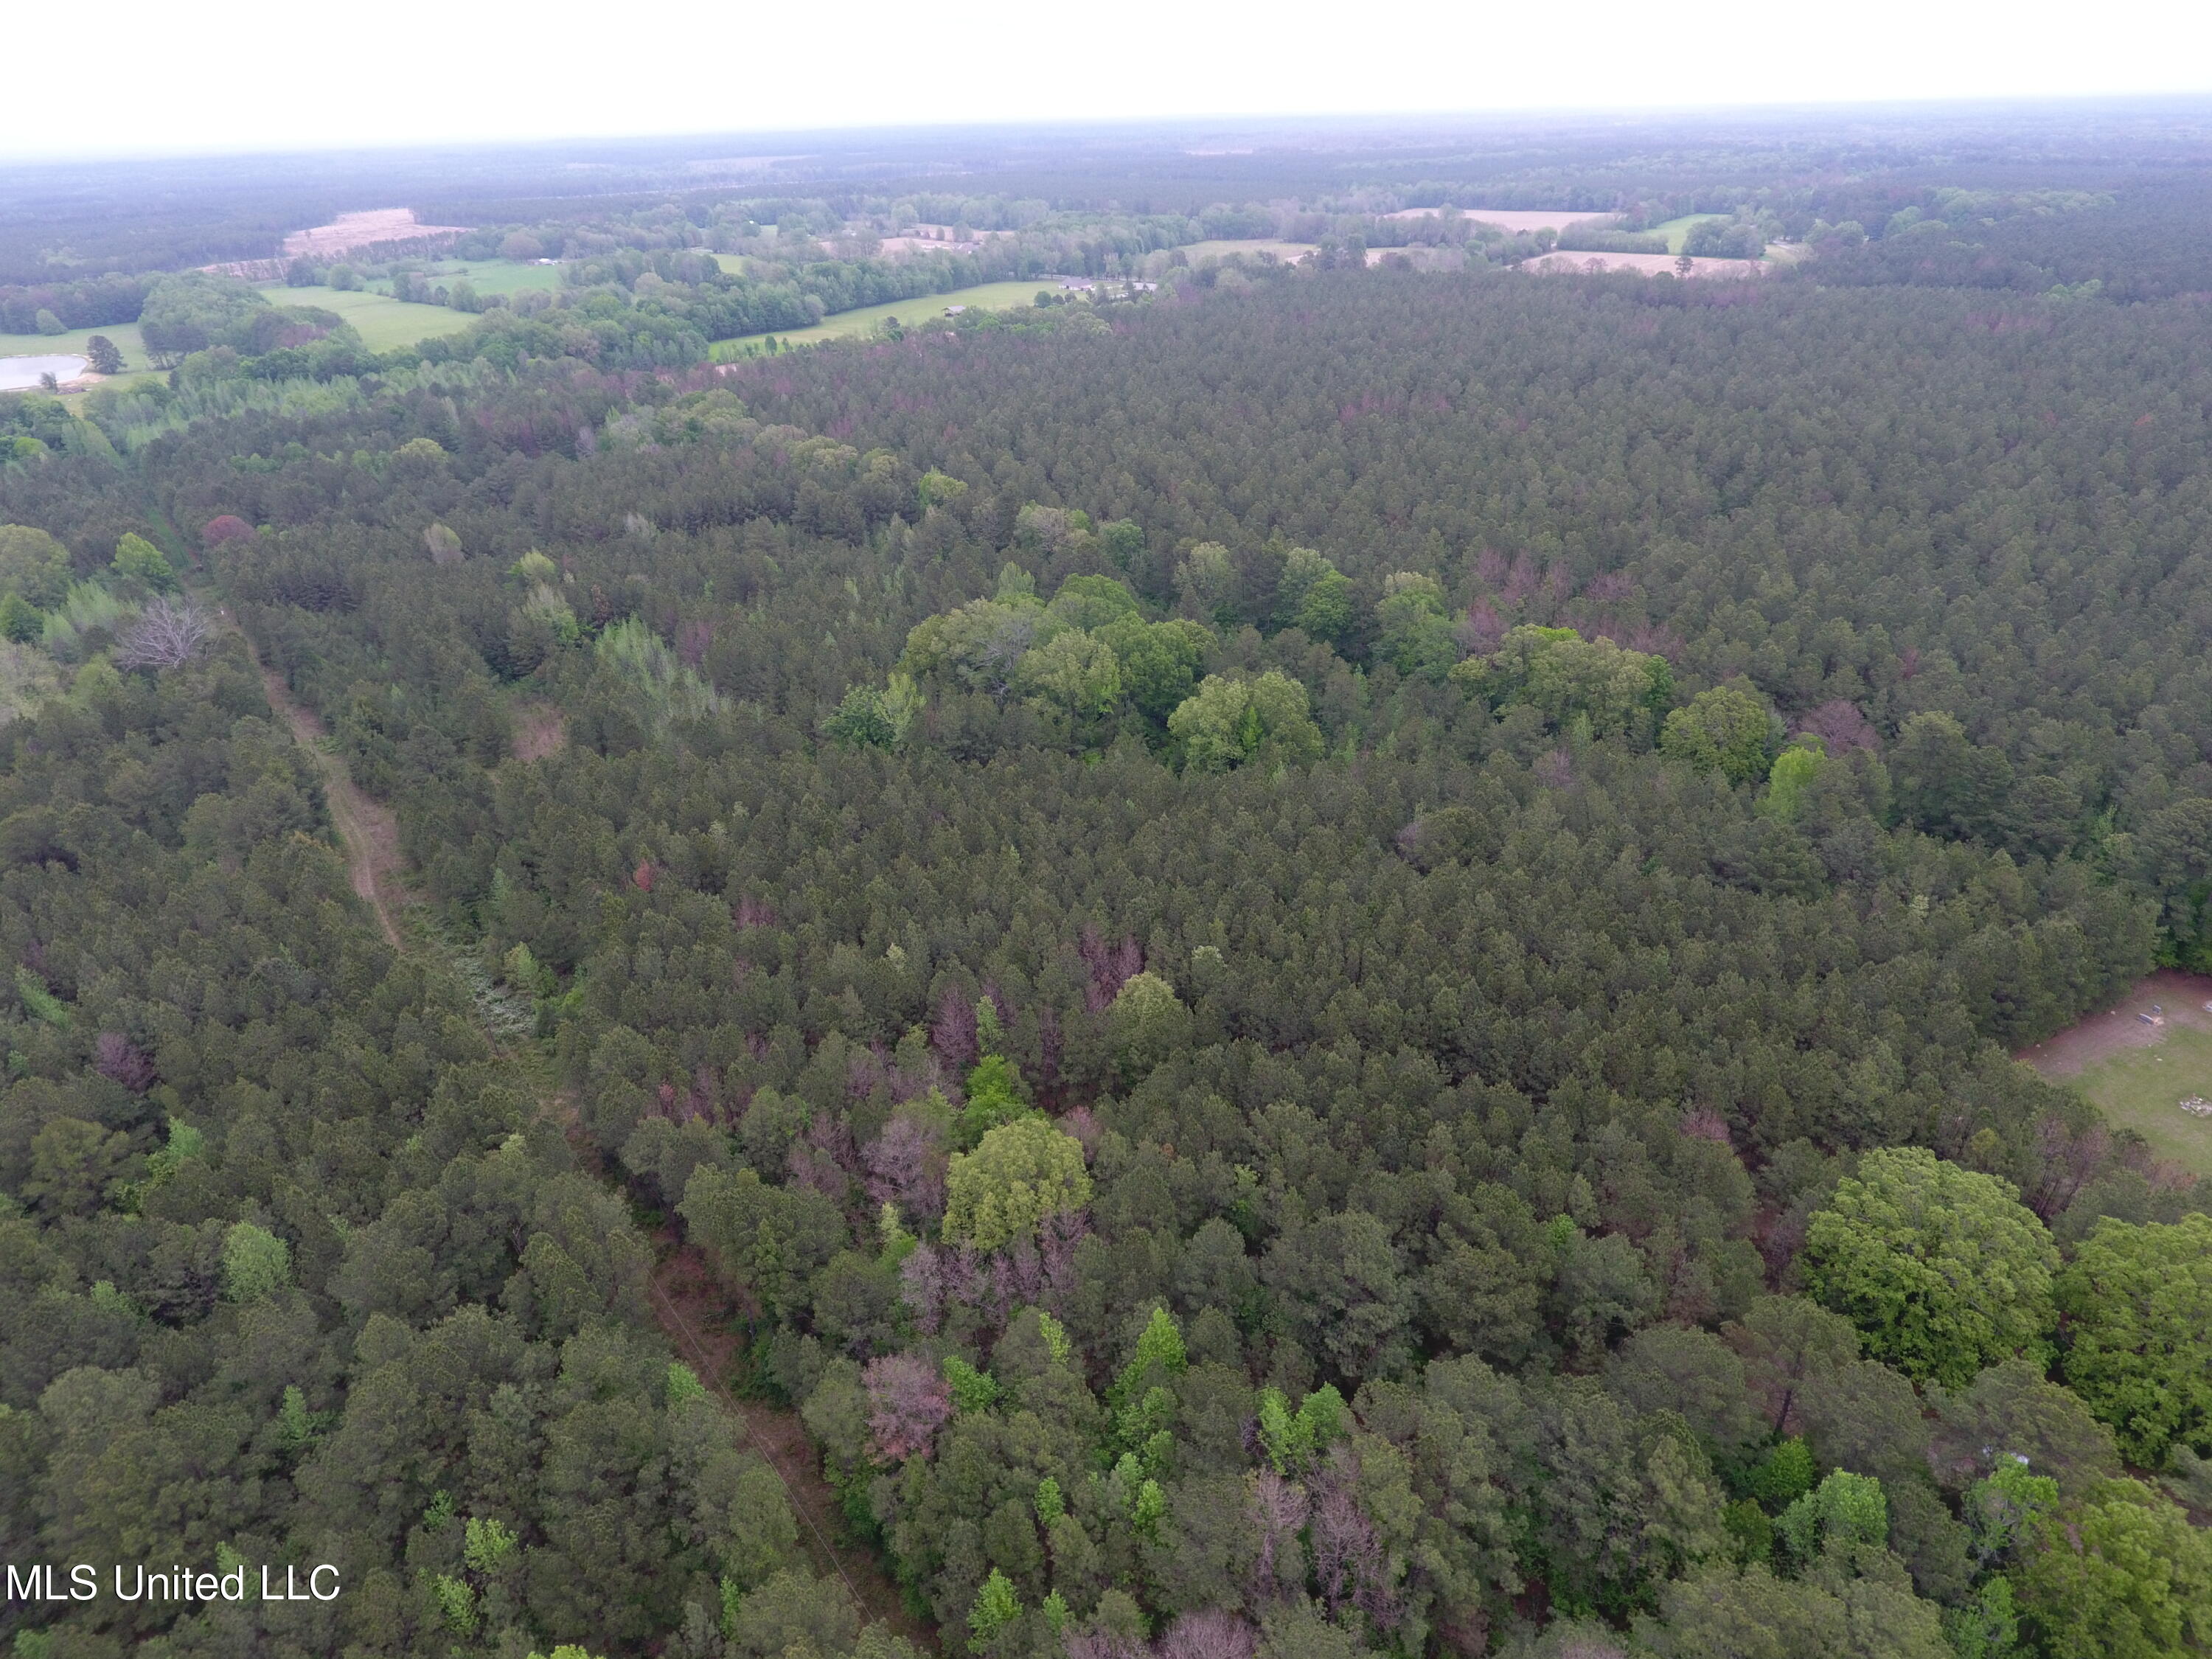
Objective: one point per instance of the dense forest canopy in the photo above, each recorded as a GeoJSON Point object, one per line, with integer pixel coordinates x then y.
{"type": "Point", "coordinates": [1321, 958]}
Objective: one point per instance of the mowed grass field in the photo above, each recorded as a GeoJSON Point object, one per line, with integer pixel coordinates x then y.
{"type": "Point", "coordinates": [2141, 1089]}
{"type": "Point", "coordinates": [1677, 231]}
{"type": "Point", "coordinates": [508, 277]}
{"type": "Point", "coordinates": [382, 321]}
{"type": "Point", "coordinates": [917, 313]}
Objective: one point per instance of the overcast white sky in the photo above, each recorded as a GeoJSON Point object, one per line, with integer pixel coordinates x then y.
{"type": "Point", "coordinates": [158, 75]}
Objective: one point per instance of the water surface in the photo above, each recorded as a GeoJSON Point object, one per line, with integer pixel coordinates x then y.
{"type": "Point", "coordinates": [17, 373]}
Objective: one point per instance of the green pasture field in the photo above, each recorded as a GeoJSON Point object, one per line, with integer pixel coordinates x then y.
{"type": "Point", "coordinates": [508, 277]}
{"type": "Point", "coordinates": [382, 321]}
{"type": "Point", "coordinates": [1677, 231]}
{"type": "Point", "coordinates": [2141, 1089]}
{"type": "Point", "coordinates": [125, 335]}
{"type": "Point", "coordinates": [844, 325]}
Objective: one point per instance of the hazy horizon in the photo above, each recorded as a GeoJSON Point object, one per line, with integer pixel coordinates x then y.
{"type": "Point", "coordinates": [486, 81]}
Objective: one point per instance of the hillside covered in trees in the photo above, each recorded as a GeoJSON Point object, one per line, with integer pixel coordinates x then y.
{"type": "Point", "coordinates": [1326, 959]}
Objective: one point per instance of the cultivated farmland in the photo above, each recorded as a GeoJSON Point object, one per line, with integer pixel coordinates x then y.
{"type": "Point", "coordinates": [349, 232]}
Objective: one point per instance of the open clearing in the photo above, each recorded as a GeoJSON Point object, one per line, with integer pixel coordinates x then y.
{"type": "Point", "coordinates": [1513, 221]}
{"type": "Point", "coordinates": [914, 313]}
{"type": "Point", "coordinates": [900, 246]}
{"type": "Point", "coordinates": [1291, 253]}
{"type": "Point", "coordinates": [350, 231]}
{"type": "Point", "coordinates": [383, 322]}
{"type": "Point", "coordinates": [1648, 265]}
{"type": "Point", "coordinates": [2139, 1073]}
{"type": "Point", "coordinates": [72, 344]}
{"type": "Point", "coordinates": [1677, 231]}
{"type": "Point", "coordinates": [508, 277]}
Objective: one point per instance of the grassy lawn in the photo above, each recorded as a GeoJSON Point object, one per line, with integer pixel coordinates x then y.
{"type": "Point", "coordinates": [2141, 1089]}
{"type": "Point", "coordinates": [985, 296]}
{"type": "Point", "coordinates": [383, 321]}
{"type": "Point", "coordinates": [501, 275]}
{"type": "Point", "coordinates": [125, 335]}
{"type": "Point", "coordinates": [1676, 231]}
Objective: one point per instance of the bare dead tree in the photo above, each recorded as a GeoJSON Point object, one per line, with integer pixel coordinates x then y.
{"type": "Point", "coordinates": [168, 634]}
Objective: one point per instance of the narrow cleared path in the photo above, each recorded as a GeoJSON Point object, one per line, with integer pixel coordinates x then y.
{"type": "Point", "coordinates": [688, 1304]}
{"type": "Point", "coordinates": [367, 828]}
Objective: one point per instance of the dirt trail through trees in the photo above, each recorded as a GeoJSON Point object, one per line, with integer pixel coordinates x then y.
{"type": "Point", "coordinates": [687, 1304]}
{"type": "Point", "coordinates": [366, 829]}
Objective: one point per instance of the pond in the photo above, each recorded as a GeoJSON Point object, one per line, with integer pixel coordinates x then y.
{"type": "Point", "coordinates": [17, 373]}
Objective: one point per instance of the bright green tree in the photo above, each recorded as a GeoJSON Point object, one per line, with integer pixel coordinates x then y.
{"type": "Point", "coordinates": [1147, 1023]}
{"type": "Point", "coordinates": [1206, 579]}
{"type": "Point", "coordinates": [32, 563]}
{"type": "Point", "coordinates": [1123, 540]}
{"type": "Point", "coordinates": [1021, 1173]}
{"type": "Point", "coordinates": [1942, 1268]}
{"type": "Point", "coordinates": [1312, 595]}
{"type": "Point", "coordinates": [1843, 1510]}
{"type": "Point", "coordinates": [1092, 602]}
{"type": "Point", "coordinates": [2120, 1575]}
{"type": "Point", "coordinates": [1567, 678]}
{"type": "Point", "coordinates": [1228, 722]}
{"type": "Point", "coordinates": [1723, 730]}
{"type": "Point", "coordinates": [20, 620]}
{"type": "Point", "coordinates": [996, 1606]}
{"type": "Point", "coordinates": [859, 721]}
{"type": "Point", "coordinates": [940, 490]}
{"type": "Point", "coordinates": [1075, 673]}
{"type": "Point", "coordinates": [995, 1095]}
{"type": "Point", "coordinates": [533, 568]}
{"type": "Point", "coordinates": [1790, 776]}
{"type": "Point", "coordinates": [255, 1262]}
{"type": "Point", "coordinates": [488, 1544]}
{"type": "Point", "coordinates": [2138, 1307]}
{"type": "Point", "coordinates": [1159, 661]}
{"type": "Point", "coordinates": [2003, 1511]}
{"type": "Point", "coordinates": [139, 560]}
{"type": "Point", "coordinates": [1412, 631]}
